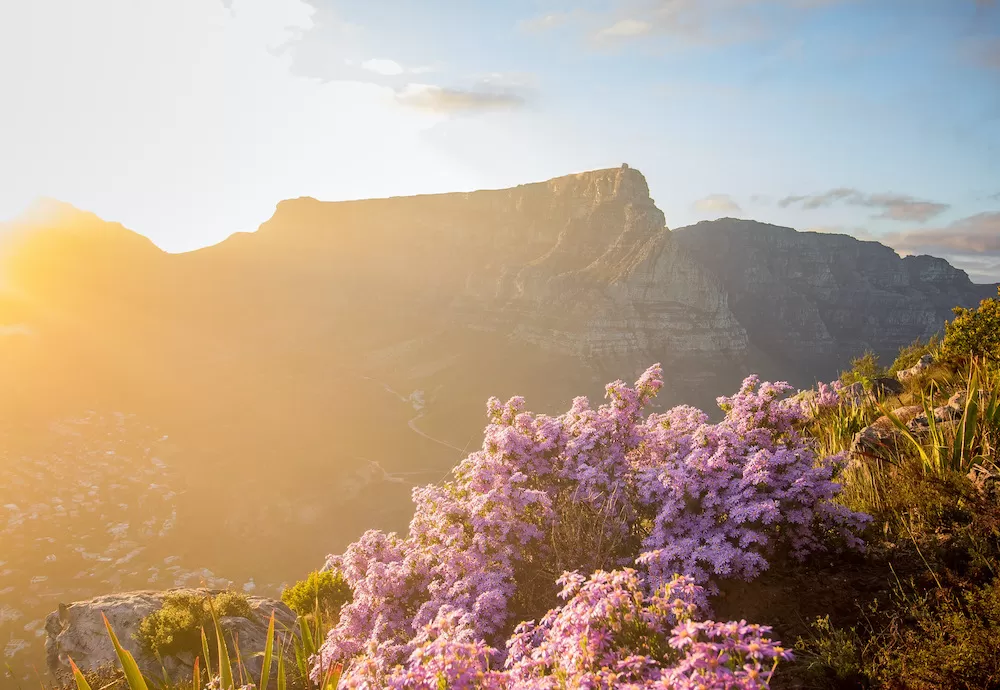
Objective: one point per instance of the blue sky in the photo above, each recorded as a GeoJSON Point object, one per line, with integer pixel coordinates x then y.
{"type": "Point", "coordinates": [189, 120]}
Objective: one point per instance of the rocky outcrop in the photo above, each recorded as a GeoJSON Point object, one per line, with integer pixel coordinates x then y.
{"type": "Point", "coordinates": [916, 370]}
{"type": "Point", "coordinates": [810, 298]}
{"type": "Point", "coordinates": [76, 631]}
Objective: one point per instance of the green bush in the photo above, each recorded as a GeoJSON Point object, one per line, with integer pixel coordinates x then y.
{"type": "Point", "coordinates": [176, 626]}
{"type": "Point", "coordinates": [973, 333]}
{"type": "Point", "coordinates": [864, 369]}
{"type": "Point", "coordinates": [327, 590]}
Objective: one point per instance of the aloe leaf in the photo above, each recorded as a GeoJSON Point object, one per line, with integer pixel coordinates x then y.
{"type": "Point", "coordinates": [225, 664]}
{"type": "Point", "coordinates": [265, 669]}
{"type": "Point", "coordinates": [132, 673]}
{"type": "Point", "coordinates": [898, 423]}
{"type": "Point", "coordinates": [196, 675]}
{"type": "Point", "coordinates": [204, 651]}
{"type": "Point", "coordinates": [282, 683]}
{"type": "Point", "coordinates": [307, 637]}
{"type": "Point", "coordinates": [81, 682]}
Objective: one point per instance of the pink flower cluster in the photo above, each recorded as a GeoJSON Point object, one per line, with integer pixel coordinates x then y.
{"type": "Point", "coordinates": [828, 395]}
{"type": "Point", "coordinates": [589, 490]}
{"type": "Point", "coordinates": [609, 634]}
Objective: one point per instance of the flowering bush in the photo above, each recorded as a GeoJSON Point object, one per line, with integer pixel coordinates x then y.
{"type": "Point", "coordinates": [592, 489]}
{"type": "Point", "coordinates": [609, 634]}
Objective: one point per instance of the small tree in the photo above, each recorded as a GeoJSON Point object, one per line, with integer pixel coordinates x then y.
{"type": "Point", "coordinates": [327, 590]}
{"type": "Point", "coordinates": [864, 369]}
{"type": "Point", "coordinates": [973, 333]}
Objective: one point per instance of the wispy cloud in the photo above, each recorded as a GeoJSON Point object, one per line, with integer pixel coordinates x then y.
{"type": "Point", "coordinates": [978, 234]}
{"type": "Point", "coordinates": [717, 203]}
{"type": "Point", "coordinates": [384, 67]}
{"type": "Point", "coordinates": [972, 243]}
{"type": "Point", "coordinates": [453, 100]}
{"type": "Point", "coordinates": [626, 28]}
{"type": "Point", "coordinates": [898, 207]}
{"type": "Point", "coordinates": [391, 68]}
{"type": "Point", "coordinates": [544, 22]}
{"type": "Point", "coordinates": [686, 22]}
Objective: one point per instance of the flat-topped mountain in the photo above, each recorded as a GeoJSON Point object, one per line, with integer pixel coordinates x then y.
{"type": "Point", "coordinates": [308, 374]}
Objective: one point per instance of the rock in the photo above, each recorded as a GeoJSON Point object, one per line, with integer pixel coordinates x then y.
{"type": "Point", "coordinates": [883, 387]}
{"type": "Point", "coordinates": [77, 631]}
{"type": "Point", "coordinates": [908, 413]}
{"type": "Point", "coordinates": [875, 439]}
{"type": "Point", "coordinates": [917, 369]}
{"type": "Point", "coordinates": [949, 412]}
{"type": "Point", "coordinates": [882, 434]}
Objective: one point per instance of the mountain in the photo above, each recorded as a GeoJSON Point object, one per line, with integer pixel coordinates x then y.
{"type": "Point", "coordinates": [814, 300]}
{"type": "Point", "coordinates": [300, 379]}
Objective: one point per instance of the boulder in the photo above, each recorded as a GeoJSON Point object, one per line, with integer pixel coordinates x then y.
{"type": "Point", "coordinates": [874, 439]}
{"type": "Point", "coordinates": [883, 387]}
{"type": "Point", "coordinates": [908, 413]}
{"type": "Point", "coordinates": [77, 631]}
{"type": "Point", "coordinates": [916, 370]}
{"type": "Point", "coordinates": [949, 412]}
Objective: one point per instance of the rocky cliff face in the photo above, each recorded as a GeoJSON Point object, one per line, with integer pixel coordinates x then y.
{"type": "Point", "coordinates": [580, 265]}
{"type": "Point", "coordinates": [814, 300]}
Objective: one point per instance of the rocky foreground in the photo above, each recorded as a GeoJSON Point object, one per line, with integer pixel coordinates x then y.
{"type": "Point", "coordinates": [77, 632]}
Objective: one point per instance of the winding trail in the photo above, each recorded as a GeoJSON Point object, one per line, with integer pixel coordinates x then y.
{"type": "Point", "coordinates": [418, 405]}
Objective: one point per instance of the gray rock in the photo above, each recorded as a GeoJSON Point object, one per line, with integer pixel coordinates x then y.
{"type": "Point", "coordinates": [949, 412]}
{"type": "Point", "coordinates": [917, 369]}
{"type": "Point", "coordinates": [77, 631]}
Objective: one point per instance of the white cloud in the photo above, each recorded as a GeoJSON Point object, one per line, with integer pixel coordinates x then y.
{"type": "Point", "coordinates": [448, 100]}
{"type": "Point", "coordinates": [626, 28]}
{"type": "Point", "coordinates": [384, 67]}
{"type": "Point", "coordinates": [717, 203]}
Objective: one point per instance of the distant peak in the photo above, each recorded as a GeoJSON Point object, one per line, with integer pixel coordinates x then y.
{"type": "Point", "coordinates": [48, 211]}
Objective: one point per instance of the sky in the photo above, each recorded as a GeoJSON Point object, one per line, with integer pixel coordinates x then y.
{"type": "Point", "coordinates": [188, 120]}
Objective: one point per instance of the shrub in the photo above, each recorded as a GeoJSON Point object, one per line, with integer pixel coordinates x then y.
{"type": "Point", "coordinates": [831, 654]}
{"type": "Point", "coordinates": [326, 591]}
{"type": "Point", "coordinates": [177, 625]}
{"type": "Point", "coordinates": [973, 333]}
{"type": "Point", "coordinates": [610, 633]}
{"type": "Point", "coordinates": [669, 493]}
{"type": "Point", "coordinates": [943, 639]}
{"type": "Point", "coordinates": [864, 369]}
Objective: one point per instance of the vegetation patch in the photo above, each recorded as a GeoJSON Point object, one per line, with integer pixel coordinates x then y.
{"type": "Point", "coordinates": [176, 627]}
{"type": "Point", "coordinates": [324, 592]}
